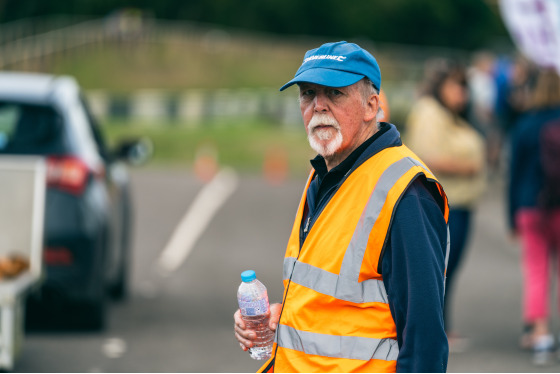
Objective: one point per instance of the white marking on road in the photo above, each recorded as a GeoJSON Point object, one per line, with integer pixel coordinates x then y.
{"type": "Point", "coordinates": [196, 219]}
{"type": "Point", "coordinates": [114, 347]}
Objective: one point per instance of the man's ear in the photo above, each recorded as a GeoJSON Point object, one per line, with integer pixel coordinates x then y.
{"type": "Point", "coordinates": [372, 106]}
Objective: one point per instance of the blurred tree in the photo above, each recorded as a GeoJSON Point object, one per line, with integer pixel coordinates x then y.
{"type": "Point", "coordinates": [459, 23]}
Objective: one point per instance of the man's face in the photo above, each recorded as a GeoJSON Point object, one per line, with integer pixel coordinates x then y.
{"type": "Point", "coordinates": [337, 120]}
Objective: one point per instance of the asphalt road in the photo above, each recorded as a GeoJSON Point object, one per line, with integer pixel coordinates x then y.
{"type": "Point", "coordinates": [181, 320]}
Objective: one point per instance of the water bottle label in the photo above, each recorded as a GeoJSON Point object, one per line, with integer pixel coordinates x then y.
{"type": "Point", "coordinates": [255, 307]}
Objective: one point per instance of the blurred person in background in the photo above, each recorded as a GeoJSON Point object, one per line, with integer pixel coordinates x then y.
{"type": "Point", "coordinates": [534, 206]}
{"type": "Point", "coordinates": [483, 97]}
{"type": "Point", "coordinates": [438, 132]}
{"type": "Point", "coordinates": [514, 79]}
{"type": "Point", "coordinates": [482, 87]}
{"type": "Point", "coordinates": [365, 263]}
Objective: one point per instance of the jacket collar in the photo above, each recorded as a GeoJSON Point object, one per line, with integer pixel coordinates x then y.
{"type": "Point", "coordinates": [388, 138]}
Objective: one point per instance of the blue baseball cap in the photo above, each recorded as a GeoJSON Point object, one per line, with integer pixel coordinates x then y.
{"type": "Point", "coordinates": [337, 64]}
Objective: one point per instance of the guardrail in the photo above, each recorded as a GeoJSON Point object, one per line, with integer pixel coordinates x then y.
{"type": "Point", "coordinates": [192, 107]}
{"type": "Point", "coordinates": [24, 41]}
{"type": "Point", "coordinates": [26, 27]}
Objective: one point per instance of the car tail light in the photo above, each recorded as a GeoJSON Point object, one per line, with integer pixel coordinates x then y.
{"type": "Point", "coordinates": [58, 256]}
{"type": "Point", "coordinates": [67, 173]}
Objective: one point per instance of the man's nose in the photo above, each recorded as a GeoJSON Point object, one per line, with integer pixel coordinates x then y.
{"type": "Point", "coordinates": [320, 102]}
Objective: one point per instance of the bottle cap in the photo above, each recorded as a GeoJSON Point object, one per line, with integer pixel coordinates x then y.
{"type": "Point", "coordinates": [248, 276]}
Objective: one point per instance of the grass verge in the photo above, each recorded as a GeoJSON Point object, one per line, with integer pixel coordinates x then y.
{"type": "Point", "coordinates": [246, 146]}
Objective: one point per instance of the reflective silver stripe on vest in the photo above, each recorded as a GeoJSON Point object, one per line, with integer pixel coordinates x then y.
{"type": "Point", "coordinates": [319, 280]}
{"type": "Point", "coordinates": [447, 250]}
{"type": "Point", "coordinates": [288, 267]}
{"type": "Point", "coordinates": [349, 347]}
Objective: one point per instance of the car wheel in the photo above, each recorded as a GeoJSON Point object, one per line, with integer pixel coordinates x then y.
{"type": "Point", "coordinates": [119, 290]}
{"type": "Point", "coordinates": [89, 315]}
{"type": "Point", "coordinates": [96, 315]}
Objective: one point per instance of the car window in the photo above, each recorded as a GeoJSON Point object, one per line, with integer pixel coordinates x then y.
{"type": "Point", "coordinates": [29, 129]}
{"type": "Point", "coordinates": [97, 135]}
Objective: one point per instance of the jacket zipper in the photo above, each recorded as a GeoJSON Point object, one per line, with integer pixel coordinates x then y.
{"type": "Point", "coordinates": [322, 204]}
{"type": "Point", "coordinates": [307, 225]}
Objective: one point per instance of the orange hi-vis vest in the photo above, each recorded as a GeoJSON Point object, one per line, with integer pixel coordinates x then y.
{"type": "Point", "coordinates": [335, 313]}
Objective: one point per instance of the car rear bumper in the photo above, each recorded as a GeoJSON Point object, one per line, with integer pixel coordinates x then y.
{"type": "Point", "coordinates": [77, 279]}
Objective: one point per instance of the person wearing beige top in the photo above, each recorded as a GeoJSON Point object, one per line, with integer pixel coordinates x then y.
{"type": "Point", "coordinates": [437, 131]}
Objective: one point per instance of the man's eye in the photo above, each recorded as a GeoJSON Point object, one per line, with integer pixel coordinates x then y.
{"type": "Point", "coordinates": [306, 94]}
{"type": "Point", "coordinates": [335, 92]}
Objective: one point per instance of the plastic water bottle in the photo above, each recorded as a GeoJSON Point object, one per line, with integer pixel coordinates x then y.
{"type": "Point", "coordinates": [255, 311]}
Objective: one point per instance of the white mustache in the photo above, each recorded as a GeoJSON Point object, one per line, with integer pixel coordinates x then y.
{"type": "Point", "coordinates": [322, 120]}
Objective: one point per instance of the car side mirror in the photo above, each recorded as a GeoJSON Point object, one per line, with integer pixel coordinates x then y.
{"type": "Point", "coordinates": [134, 151]}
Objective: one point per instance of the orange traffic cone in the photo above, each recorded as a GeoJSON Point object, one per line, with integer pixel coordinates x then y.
{"type": "Point", "coordinates": [206, 162]}
{"type": "Point", "coordinates": [275, 167]}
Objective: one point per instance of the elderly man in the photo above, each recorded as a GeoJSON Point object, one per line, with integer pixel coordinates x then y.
{"type": "Point", "coordinates": [365, 264]}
